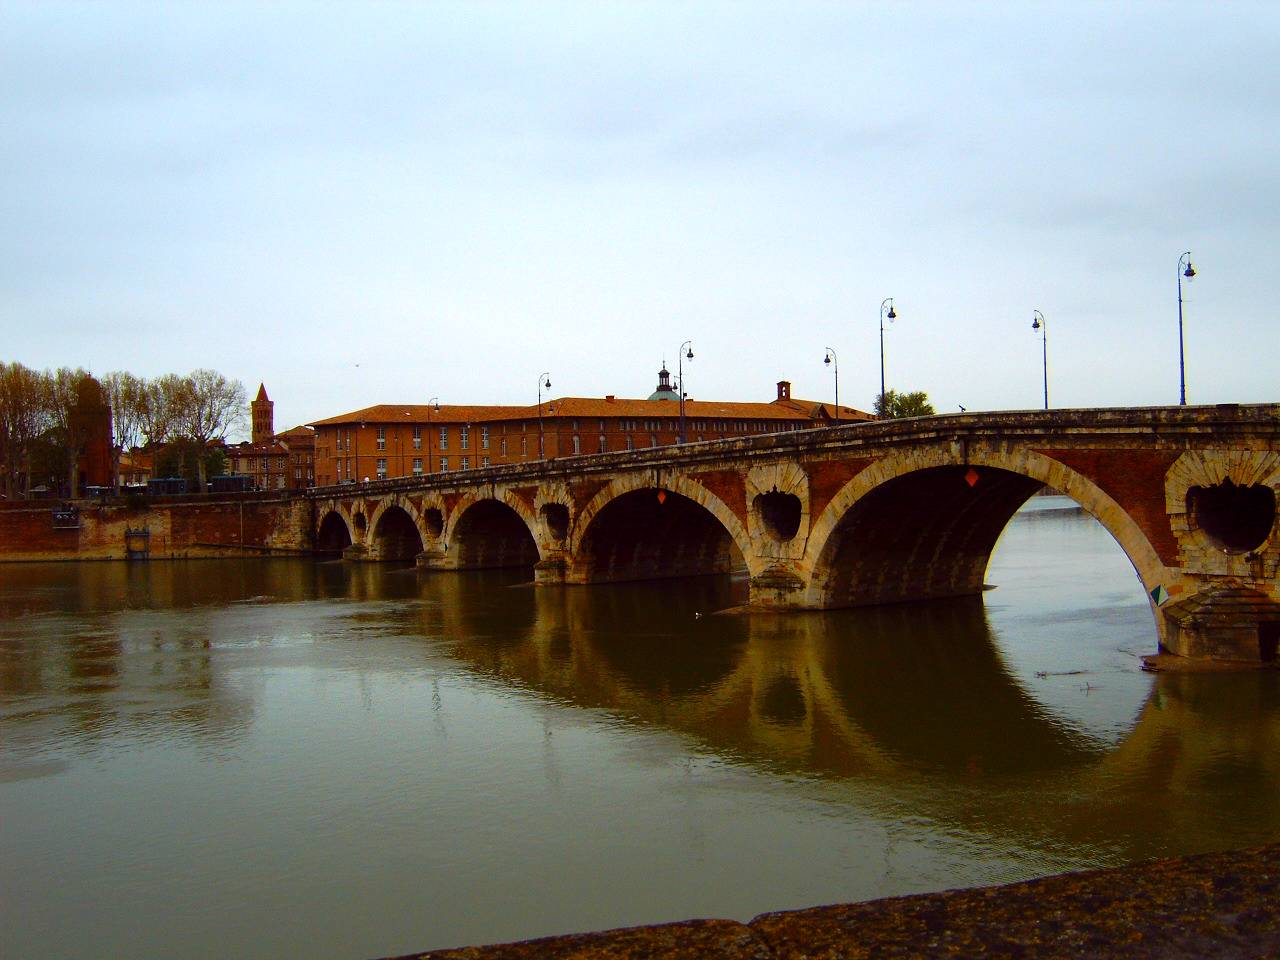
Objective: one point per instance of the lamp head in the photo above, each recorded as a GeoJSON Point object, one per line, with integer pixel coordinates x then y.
{"type": "Point", "coordinates": [689, 355]}
{"type": "Point", "coordinates": [548, 383]}
{"type": "Point", "coordinates": [1190, 271]}
{"type": "Point", "coordinates": [1035, 323]}
{"type": "Point", "coordinates": [827, 359]}
{"type": "Point", "coordinates": [891, 315]}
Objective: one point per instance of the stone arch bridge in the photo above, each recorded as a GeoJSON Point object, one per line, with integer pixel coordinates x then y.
{"type": "Point", "coordinates": [871, 513]}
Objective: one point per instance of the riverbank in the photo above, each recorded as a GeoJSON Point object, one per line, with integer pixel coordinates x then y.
{"type": "Point", "coordinates": [1216, 905]}
{"type": "Point", "coordinates": [210, 525]}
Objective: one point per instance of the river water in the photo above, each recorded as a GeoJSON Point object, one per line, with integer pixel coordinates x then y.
{"type": "Point", "coordinates": [264, 758]}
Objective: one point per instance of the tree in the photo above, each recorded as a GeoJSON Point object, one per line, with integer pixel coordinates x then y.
{"type": "Point", "coordinates": [127, 397]}
{"type": "Point", "coordinates": [185, 458]}
{"type": "Point", "coordinates": [24, 416]}
{"type": "Point", "coordinates": [212, 406]}
{"type": "Point", "coordinates": [892, 405]}
{"type": "Point", "coordinates": [161, 401]}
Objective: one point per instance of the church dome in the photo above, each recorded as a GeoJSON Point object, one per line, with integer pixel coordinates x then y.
{"type": "Point", "coordinates": [665, 390]}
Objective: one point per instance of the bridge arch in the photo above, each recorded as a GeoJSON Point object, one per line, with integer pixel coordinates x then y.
{"type": "Point", "coordinates": [639, 529]}
{"type": "Point", "coordinates": [497, 531]}
{"type": "Point", "coordinates": [861, 552]}
{"type": "Point", "coordinates": [333, 532]}
{"type": "Point", "coordinates": [393, 533]}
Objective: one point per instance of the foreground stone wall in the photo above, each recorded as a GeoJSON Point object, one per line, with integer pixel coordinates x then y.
{"type": "Point", "coordinates": [178, 527]}
{"type": "Point", "coordinates": [1215, 905]}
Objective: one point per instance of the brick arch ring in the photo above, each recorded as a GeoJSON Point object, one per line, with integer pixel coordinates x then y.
{"type": "Point", "coordinates": [469, 500]}
{"type": "Point", "coordinates": [343, 514]}
{"type": "Point", "coordinates": [690, 489]}
{"type": "Point", "coordinates": [1123, 529]}
{"type": "Point", "coordinates": [385, 504]}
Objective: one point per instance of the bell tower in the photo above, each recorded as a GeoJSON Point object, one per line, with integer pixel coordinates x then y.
{"type": "Point", "coordinates": [261, 410]}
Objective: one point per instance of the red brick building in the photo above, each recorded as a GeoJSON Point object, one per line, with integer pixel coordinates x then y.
{"type": "Point", "coordinates": [397, 440]}
{"type": "Point", "coordinates": [275, 461]}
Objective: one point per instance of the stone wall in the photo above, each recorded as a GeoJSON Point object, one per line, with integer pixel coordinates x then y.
{"type": "Point", "coordinates": [241, 525]}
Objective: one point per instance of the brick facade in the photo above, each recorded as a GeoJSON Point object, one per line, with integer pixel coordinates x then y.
{"type": "Point", "coordinates": [401, 440]}
{"type": "Point", "coordinates": [275, 461]}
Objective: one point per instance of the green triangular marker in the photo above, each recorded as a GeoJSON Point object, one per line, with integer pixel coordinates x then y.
{"type": "Point", "coordinates": [1159, 595]}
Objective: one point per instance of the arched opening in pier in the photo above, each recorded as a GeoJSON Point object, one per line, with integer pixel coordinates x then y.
{"type": "Point", "coordinates": [491, 534]}
{"type": "Point", "coordinates": [1236, 518]}
{"type": "Point", "coordinates": [920, 536]}
{"type": "Point", "coordinates": [652, 534]}
{"type": "Point", "coordinates": [396, 536]}
{"type": "Point", "coordinates": [333, 536]}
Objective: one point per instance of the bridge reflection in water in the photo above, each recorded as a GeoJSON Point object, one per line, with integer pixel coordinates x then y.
{"type": "Point", "coordinates": [920, 702]}
{"type": "Point", "coordinates": [918, 699]}
{"type": "Point", "coordinates": [915, 707]}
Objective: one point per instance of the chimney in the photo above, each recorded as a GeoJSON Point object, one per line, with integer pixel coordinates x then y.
{"type": "Point", "coordinates": [784, 389]}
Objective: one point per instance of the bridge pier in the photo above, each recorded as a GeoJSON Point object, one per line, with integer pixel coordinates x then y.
{"type": "Point", "coordinates": [1222, 623]}
{"type": "Point", "coordinates": [433, 557]}
{"type": "Point", "coordinates": [551, 571]}
{"type": "Point", "coordinates": [780, 587]}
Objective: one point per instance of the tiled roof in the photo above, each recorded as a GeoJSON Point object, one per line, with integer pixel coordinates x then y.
{"type": "Point", "coordinates": [427, 413]}
{"type": "Point", "coordinates": [815, 408]}
{"type": "Point", "coordinates": [135, 459]}
{"type": "Point", "coordinates": [560, 407]}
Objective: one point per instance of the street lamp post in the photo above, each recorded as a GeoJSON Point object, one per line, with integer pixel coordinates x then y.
{"type": "Point", "coordinates": [680, 358]}
{"type": "Point", "coordinates": [892, 316]}
{"type": "Point", "coordinates": [359, 436]}
{"type": "Point", "coordinates": [545, 375]}
{"type": "Point", "coordinates": [834, 362]}
{"type": "Point", "coordinates": [1038, 322]}
{"type": "Point", "coordinates": [434, 401]}
{"type": "Point", "coordinates": [1189, 273]}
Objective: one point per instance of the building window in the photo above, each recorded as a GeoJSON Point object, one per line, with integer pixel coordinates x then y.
{"type": "Point", "coordinates": [653, 440]}
{"type": "Point", "coordinates": [417, 438]}
{"type": "Point", "coordinates": [444, 439]}
{"type": "Point", "coordinates": [577, 444]}
{"type": "Point", "coordinates": [604, 446]}
{"type": "Point", "coordinates": [484, 461]}
{"type": "Point", "coordinates": [382, 469]}
{"type": "Point", "coordinates": [417, 466]}
{"type": "Point", "coordinates": [382, 438]}
{"type": "Point", "coordinates": [464, 435]}
{"type": "Point", "coordinates": [297, 473]}
{"type": "Point", "coordinates": [484, 438]}
{"type": "Point", "coordinates": [630, 443]}
{"type": "Point", "coordinates": [502, 445]}
{"type": "Point", "coordinates": [524, 445]}
{"type": "Point", "coordinates": [444, 464]}
{"type": "Point", "coordinates": [466, 463]}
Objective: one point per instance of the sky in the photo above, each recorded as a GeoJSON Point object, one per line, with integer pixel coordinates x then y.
{"type": "Point", "coordinates": [386, 203]}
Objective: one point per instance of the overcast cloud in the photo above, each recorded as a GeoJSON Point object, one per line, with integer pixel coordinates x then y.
{"type": "Point", "coordinates": [369, 203]}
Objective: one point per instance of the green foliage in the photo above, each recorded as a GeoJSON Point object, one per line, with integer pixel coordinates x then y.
{"type": "Point", "coordinates": [892, 405]}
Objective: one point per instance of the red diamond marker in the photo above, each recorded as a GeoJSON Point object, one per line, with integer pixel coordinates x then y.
{"type": "Point", "coordinates": [971, 478]}
{"type": "Point", "coordinates": [662, 497]}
